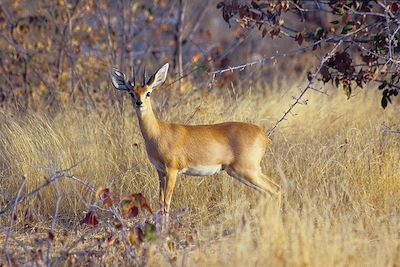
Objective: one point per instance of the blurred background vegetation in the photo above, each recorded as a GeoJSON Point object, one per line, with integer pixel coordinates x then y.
{"type": "Point", "coordinates": [56, 52]}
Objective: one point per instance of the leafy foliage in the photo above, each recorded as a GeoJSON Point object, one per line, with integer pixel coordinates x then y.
{"type": "Point", "coordinates": [369, 30]}
{"type": "Point", "coordinates": [125, 224]}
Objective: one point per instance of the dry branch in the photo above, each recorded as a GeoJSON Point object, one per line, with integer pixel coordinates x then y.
{"type": "Point", "coordinates": [54, 177]}
{"type": "Point", "coordinates": [10, 229]}
{"type": "Point", "coordinates": [311, 80]}
{"type": "Point", "coordinates": [387, 130]}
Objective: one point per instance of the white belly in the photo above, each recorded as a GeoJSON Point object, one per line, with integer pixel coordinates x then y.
{"type": "Point", "coordinates": [202, 170]}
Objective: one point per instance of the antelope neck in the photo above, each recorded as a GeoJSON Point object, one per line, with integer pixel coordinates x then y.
{"type": "Point", "coordinates": [148, 123]}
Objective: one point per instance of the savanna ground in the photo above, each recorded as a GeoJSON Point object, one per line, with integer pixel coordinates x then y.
{"type": "Point", "coordinates": [338, 171]}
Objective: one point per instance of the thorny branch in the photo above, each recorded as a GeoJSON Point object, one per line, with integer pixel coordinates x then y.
{"type": "Point", "coordinates": [311, 80]}
{"type": "Point", "coordinates": [334, 40]}
{"type": "Point", "coordinates": [388, 130]}
{"type": "Point", "coordinates": [53, 180]}
{"type": "Point", "coordinates": [56, 176]}
{"type": "Point", "coordinates": [241, 67]}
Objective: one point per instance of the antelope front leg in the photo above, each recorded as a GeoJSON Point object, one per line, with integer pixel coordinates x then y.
{"type": "Point", "coordinates": [161, 177]}
{"type": "Point", "coordinates": [169, 188]}
{"type": "Point", "coordinates": [163, 219]}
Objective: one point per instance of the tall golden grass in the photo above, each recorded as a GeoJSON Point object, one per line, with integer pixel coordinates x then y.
{"type": "Point", "coordinates": [339, 175]}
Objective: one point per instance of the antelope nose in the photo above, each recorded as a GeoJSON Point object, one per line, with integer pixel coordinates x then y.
{"type": "Point", "coordinates": [139, 103]}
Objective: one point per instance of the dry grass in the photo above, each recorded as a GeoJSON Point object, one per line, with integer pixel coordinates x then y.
{"type": "Point", "coordinates": [339, 174]}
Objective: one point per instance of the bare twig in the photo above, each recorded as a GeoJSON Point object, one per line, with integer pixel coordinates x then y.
{"type": "Point", "coordinates": [308, 86]}
{"type": "Point", "coordinates": [333, 40]}
{"type": "Point", "coordinates": [387, 130]}
{"type": "Point", "coordinates": [54, 221]}
{"type": "Point", "coordinates": [57, 175]}
{"type": "Point", "coordinates": [92, 188]}
{"type": "Point", "coordinates": [58, 190]}
{"type": "Point", "coordinates": [227, 52]}
{"type": "Point", "coordinates": [197, 109]}
{"type": "Point", "coordinates": [267, 58]}
{"type": "Point", "coordinates": [12, 220]}
{"type": "Point", "coordinates": [65, 253]}
{"type": "Point", "coordinates": [21, 244]}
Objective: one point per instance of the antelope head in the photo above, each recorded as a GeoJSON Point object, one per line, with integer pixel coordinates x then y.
{"type": "Point", "coordinates": [140, 93]}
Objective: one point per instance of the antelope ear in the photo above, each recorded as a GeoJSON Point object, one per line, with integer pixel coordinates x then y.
{"type": "Point", "coordinates": [118, 79]}
{"type": "Point", "coordinates": [159, 77]}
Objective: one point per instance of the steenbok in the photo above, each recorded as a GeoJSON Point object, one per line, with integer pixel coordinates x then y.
{"type": "Point", "coordinates": [197, 150]}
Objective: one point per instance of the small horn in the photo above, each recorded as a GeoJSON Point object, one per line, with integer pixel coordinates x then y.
{"type": "Point", "coordinates": [133, 77]}
{"type": "Point", "coordinates": [144, 76]}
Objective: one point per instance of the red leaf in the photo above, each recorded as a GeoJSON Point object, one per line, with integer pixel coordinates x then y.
{"type": "Point", "coordinates": [264, 32]}
{"type": "Point", "coordinates": [147, 208]}
{"type": "Point", "coordinates": [111, 239]}
{"type": "Point", "coordinates": [134, 211]}
{"type": "Point", "coordinates": [102, 192]}
{"type": "Point", "coordinates": [255, 14]}
{"type": "Point", "coordinates": [189, 239]}
{"type": "Point", "coordinates": [226, 16]}
{"type": "Point", "coordinates": [326, 76]}
{"type": "Point", "coordinates": [118, 224]}
{"type": "Point", "coordinates": [50, 236]}
{"type": "Point", "coordinates": [395, 7]}
{"type": "Point", "coordinates": [242, 11]}
{"type": "Point", "coordinates": [274, 32]}
{"type": "Point", "coordinates": [126, 205]}
{"type": "Point", "coordinates": [108, 198]}
{"type": "Point", "coordinates": [142, 202]}
{"type": "Point", "coordinates": [90, 219]}
{"type": "Point", "coordinates": [299, 38]}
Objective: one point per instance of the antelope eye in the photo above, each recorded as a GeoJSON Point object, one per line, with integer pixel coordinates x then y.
{"type": "Point", "coordinates": [148, 94]}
